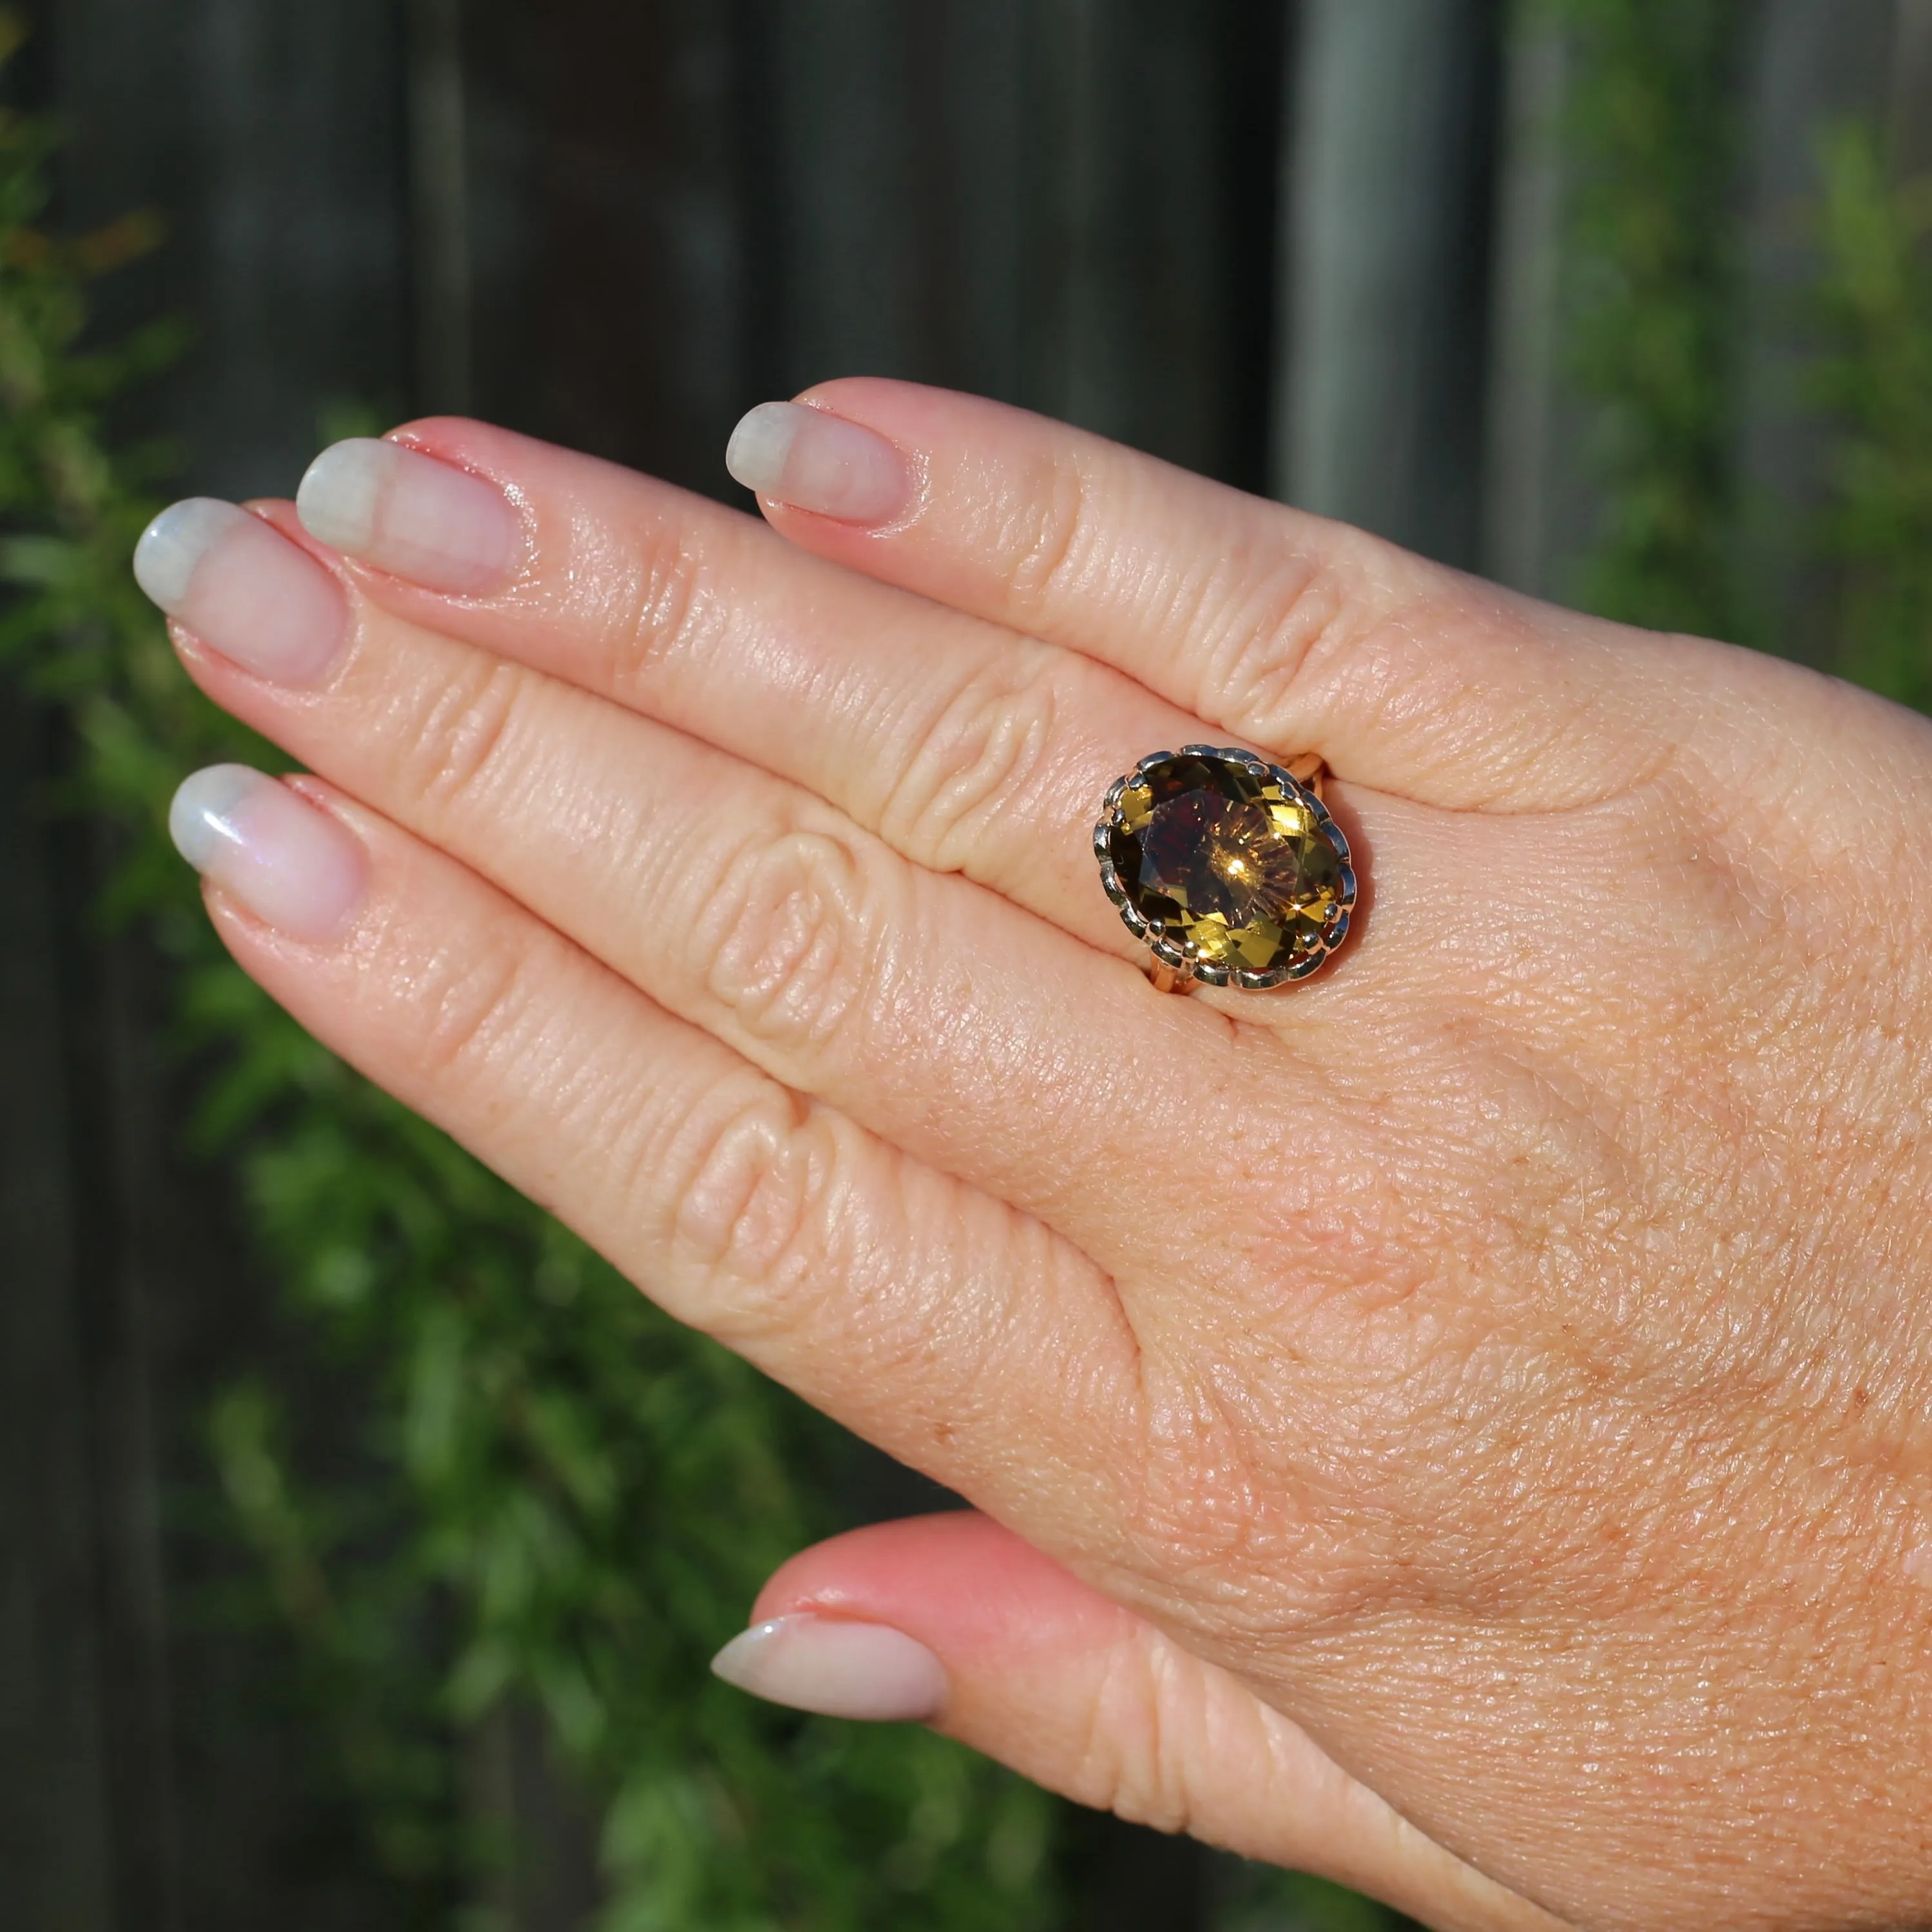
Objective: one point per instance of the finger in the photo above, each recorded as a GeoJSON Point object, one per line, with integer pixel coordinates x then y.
{"type": "Point", "coordinates": [964, 746]}
{"type": "Point", "coordinates": [1280, 629]}
{"type": "Point", "coordinates": [940, 1324]}
{"type": "Point", "coordinates": [981, 1040]}
{"type": "Point", "coordinates": [954, 1621]}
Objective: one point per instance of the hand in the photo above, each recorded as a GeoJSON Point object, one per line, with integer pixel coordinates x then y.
{"type": "Point", "coordinates": [1470, 1408]}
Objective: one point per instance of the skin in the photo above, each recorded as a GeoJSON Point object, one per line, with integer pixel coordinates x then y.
{"type": "Point", "coordinates": [1458, 1425]}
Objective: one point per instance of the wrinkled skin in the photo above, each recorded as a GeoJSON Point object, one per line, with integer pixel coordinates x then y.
{"type": "Point", "coordinates": [1475, 1403]}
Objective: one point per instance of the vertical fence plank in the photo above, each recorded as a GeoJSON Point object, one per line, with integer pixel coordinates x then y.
{"type": "Point", "coordinates": [1384, 267]}
{"type": "Point", "coordinates": [1151, 178]}
{"type": "Point", "coordinates": [56, 1832]}
{"type": "Point", "coordinates": [646, 287]}
{"type": "Point", "coordinates": [1535, 511]}
{"type": "Point", "coordinates": [270, 136]}
{"type": "Point", "coordinates": [1910, 106]}
{"type": "Point", "coordinates": [442, 279]}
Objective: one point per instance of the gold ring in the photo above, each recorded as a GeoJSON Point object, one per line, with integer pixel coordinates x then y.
{"type": "Point", "coordinates": [1230, 868]}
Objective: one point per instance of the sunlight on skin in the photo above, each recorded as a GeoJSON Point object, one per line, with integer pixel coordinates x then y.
{"type": "Point", "coordinates": [1469, 1410]}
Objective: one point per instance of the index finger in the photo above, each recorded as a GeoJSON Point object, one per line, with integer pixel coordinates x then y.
{"type": "Point", "coordinates": [1284, 630]}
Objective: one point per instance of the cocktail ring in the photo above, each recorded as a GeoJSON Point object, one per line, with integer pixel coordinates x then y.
{"type": "Point", "coordinates": [1229, 868]}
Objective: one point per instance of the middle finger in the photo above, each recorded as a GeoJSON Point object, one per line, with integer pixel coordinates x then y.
{"type": "Point", "coordinates": [966, 747]}
{"type": "Point", "coordinates": [979, 1038]}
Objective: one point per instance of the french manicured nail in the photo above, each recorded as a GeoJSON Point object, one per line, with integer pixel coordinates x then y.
{"type": "Point", "coordinates": [838, 1668]}
{"type": "Point", "coordinates": [243, 589]}
{"type": "Point", "coordinates": [818, 462]}
{"type": "Point", "coordinates": [295, 868]}
{"type": "Point", "coordinates": [409, 514]}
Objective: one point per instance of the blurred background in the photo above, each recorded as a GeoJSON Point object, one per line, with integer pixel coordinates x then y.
{"type": "Point", "coordinates": [362, 1541]}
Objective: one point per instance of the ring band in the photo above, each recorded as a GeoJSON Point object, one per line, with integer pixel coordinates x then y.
{"type": "Point", "coordinates": [1228, 868]}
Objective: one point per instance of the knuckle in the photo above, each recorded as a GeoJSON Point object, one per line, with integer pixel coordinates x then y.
{"type": "Point", "coordinates": [1132, 1760]}
{"type": "Point", "coordinates": [457, 744]}
{"type": "Point", "coordinates": [471, 1012]}
{"type": "Point", "coordinates": [1047, 538]}
{"type": "Point", "coordinates": [652, 604]}
{"type": "Point", "coordinates": [786, 938]}
{"type": "Point", "coordinates": [754, 1183]}
{"type": "Point", "coordinates": [985, 754]}
{"type": "Point", "coordinates": [1264, 652]}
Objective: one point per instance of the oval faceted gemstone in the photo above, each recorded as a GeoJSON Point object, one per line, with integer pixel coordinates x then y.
{"type": "Point", "coordinates": [1233, 866]}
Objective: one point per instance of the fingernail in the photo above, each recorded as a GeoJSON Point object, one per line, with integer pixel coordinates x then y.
{"type": "Point", "coordinates": [295, 868]}
{"type": "Point", "coordinates": [408, 514]}
{"type": "Point", "coordinates": [838, 1668]}
{"type": "Point", "coordinates": [243, 589]}
{"type": "Point", "coordinates": [818, 462]}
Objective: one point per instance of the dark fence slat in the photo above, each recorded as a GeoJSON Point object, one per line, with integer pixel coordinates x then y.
{"type": "Point", "coordinates": [271, 137]}
{"type": "Point", "coordinates": [56, 1826]}
{"type": "Point", "coordinates": [1384, 269]}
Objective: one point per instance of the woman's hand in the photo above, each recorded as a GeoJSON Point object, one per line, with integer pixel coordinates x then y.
{"type": "Point", "coordinates": [1474, 1402]}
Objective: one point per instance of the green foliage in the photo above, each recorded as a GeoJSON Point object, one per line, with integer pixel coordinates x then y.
{"type": "Point", "coordinates": [1262, 1900]}
{"type": "Point", "coordinates": [1651, 311]}
{"type": "Point", "coordinates": [545, 1492]}
{"type": "Point", "coordinates": [1876, 300]}
{"type": "Point", "coordinates": [1655, 307]}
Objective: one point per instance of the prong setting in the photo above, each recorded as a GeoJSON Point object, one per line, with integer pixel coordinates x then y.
{"type": "Point", "coordinates": [1248, 785]}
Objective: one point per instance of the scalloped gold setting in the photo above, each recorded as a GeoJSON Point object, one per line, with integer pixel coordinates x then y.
{"type": "Point", "coordinates": [1230, 868]}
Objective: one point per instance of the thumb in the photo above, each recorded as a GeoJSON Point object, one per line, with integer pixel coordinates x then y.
{"type": "Point", "coordinates": [953, 1622]}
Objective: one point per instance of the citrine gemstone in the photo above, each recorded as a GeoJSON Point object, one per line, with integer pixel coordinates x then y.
{"type": "Point", "coordinates": [1231, 864]}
